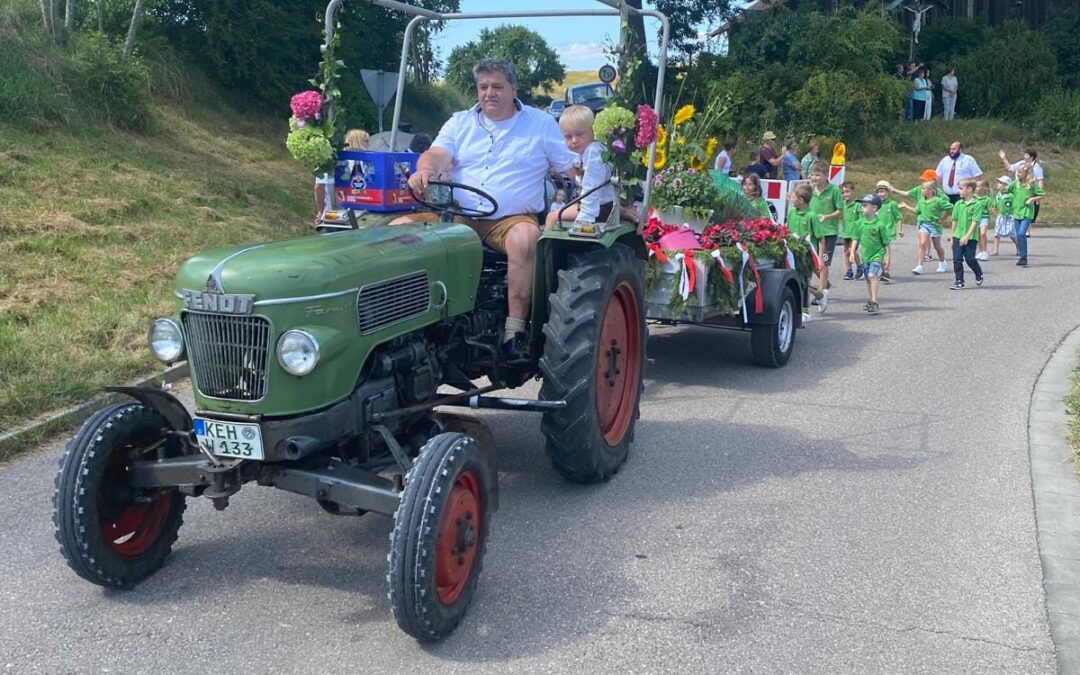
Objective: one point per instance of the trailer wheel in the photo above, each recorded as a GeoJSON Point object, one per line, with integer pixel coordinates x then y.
{"type": "Point", "coordinates": [440, 533]}
{"type": "Point", "coordinates": [772, 343]}
{"type": "Point", "coordinates": [593, 359]}
{"type": "Point", "coordinates": [110, 533]}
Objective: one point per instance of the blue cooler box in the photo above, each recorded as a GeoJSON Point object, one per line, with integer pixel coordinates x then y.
{"type": "Point", "coordinates": [374, 181]}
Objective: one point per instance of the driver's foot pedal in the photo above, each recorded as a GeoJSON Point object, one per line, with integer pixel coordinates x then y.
{"type": "Point", "coordinates": [515, 351]}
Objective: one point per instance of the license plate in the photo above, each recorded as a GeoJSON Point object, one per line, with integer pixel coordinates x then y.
{"type": "Point", "coordinates": [229, 439]}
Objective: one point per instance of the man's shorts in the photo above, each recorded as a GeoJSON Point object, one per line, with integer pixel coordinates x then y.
{"type": "Point", "coordinates": [931, 229]}
{"type": "Point", "coordinates": [873, 269]}
{"type": "Point", "coordinates": [492, 232]}
{"type": "Point", "coordinates": [829, 242]}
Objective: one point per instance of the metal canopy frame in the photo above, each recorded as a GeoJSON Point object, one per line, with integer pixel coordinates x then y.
{"type": "Point", "coordinates": [617, 8]}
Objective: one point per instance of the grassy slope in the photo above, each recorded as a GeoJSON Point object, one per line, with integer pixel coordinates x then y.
{"type": "Point", "coordinates": [93, 226]}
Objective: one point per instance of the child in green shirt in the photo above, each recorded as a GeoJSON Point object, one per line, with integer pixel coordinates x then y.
{"type": "Point", "coordinates": [1004, 225]}
{"type": "Point", "coordinates": [894, 227]}
{"type": "Point", "coordinates": [1025, 194]}
{"type": "Point", "coordinates": [799, 215]}
{"type": "Point", "coordinates": [982, 195]}
{"type": "Point", "coordinates": [828, 208]}
{"type": "Point", "coordinates": [966, 215]}
{"type": "Point", "coordinates": [852, 216]}
{"type": "Point", "coordinates": [751, 186]}
{"type": "Point", "coordinates": [873, 242]}
{"type": "Point", "coordinates": [930, 206]}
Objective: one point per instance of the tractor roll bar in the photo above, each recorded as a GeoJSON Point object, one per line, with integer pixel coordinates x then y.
{"type": "Point", "coordinates": [420, 15]}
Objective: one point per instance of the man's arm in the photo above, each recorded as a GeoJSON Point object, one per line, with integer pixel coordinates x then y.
{"type": "Point", "coordinates": [429, 164]}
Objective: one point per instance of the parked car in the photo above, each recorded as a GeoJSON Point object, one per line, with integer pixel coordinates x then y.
{"type": "Point", "coordinates": [556, 108]}
{"type": "Point", "coordinates": [595, 95]}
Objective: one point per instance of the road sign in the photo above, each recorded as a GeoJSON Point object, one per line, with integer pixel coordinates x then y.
{"type": "Point", "coordinates": [607, 74]}
{"type": "Point", "coordinates": [382, 86]}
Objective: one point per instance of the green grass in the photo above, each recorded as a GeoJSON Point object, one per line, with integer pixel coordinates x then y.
{"type": "Point", "coordinates": [1072, 406]}
{"type": "Point", "coordinates": [95, 222]}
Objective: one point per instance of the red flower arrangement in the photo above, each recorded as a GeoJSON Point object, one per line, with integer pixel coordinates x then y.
{"type": "Point", "coordinates": [718, 235]}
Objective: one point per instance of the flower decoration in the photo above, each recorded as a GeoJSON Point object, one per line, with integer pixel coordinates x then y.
{"type": "Point", "coordinates": [646, 126]}
{"type": "Point", "coordinates": [307, 104]}
{"type": "Point", "coordinates": [661, 135]}
{"type": "Point", "coordinates": [626, 137]}
{"type": "Point", "coordinates": [309, 146]}
{"type": "Point", "coordinates": [684, 114]}
{"type": "Point", "coordinates": [710, 146]}
{"type": "Point", "coordinates": [612, 119]}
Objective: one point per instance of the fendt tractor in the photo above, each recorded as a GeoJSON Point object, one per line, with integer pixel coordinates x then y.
{"type": "Point", "coordinates": [325, 366]}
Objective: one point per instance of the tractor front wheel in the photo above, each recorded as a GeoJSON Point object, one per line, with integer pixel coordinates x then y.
{"type": "Point", "coordinates": [440, 532]}
{"type": "Point", "coordinates": [594, 355]}
{"type": "Point", "coordinates": [111, 533]}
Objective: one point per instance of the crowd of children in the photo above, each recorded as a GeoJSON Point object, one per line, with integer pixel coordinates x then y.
{"type": "Point", "coordinates": [869, 225]}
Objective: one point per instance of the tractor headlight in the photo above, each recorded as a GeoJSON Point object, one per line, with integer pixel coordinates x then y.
{"type": "Point", "coordinates": [166, 340]}
{"type": "Point", "coordinates": [297, 352]}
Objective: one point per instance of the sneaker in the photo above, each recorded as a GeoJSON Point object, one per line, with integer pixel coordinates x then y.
{"type": "Point", "coordinates": [815, 302]}
{"type": "Point", "coordinates": [866, 307]}
{"type": "Point", "coordinates": [515, 351]}
{"type": "Point", "coordinates": [873, 308]}
{"type": "Point", "coordinates": [824, 303]}
{"type": "Point", "coordinates": [1022, 262]}
{"type": "Point", "coordinates": [886, 278]}
{"type": "Point", "coordinates": [860, 274]}
{"type": "Point", "coordinates": [849, 275]}
{"type": "Point", "coordinates": [918, 269]}
{"type": "Point", "coordinates": [978, 281]}
{"type": "Point", "coordinates": [942, 267]}
{"type": "Point", "coordinates": [927, 257]}
{"type": "Point", "coordinates": [982, 256]}
{"type": "Point", "coordinates": [958, 286]}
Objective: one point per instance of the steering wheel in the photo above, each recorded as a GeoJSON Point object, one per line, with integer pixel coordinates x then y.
{"type": "Point", "coordinates": [448, 208]}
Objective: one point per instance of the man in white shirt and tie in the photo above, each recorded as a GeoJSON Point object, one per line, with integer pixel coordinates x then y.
{"type": "Point", "coordinates": [504, 148]}
{"type": "Point", "coordinates": [956, 167]}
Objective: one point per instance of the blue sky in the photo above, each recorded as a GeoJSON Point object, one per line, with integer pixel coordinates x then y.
{"type": "Point", "coordinates": [579, 41]}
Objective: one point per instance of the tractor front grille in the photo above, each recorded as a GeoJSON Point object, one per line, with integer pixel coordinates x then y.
{"type": "Point", "coordinates": [228, 354]}
{"type": "Point", "coordinates": [389, 302]}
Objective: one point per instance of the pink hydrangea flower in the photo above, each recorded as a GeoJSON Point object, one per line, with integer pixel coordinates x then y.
{"type": "Point", "coordinates": [646, 126]}
{"type": "Point", "coordinates": [306, 104]}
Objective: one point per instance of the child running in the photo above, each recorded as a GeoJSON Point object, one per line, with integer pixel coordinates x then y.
{"type": "Point", "coordinates": [982, 195]}
{"type": "Point", "coordinates": [872, 241]}
{"type": "Point", "coordinates": [930, 206]}
{"type": "Point", "coordinates": [891, 219]}
{"type": "Point", "coordinates": [852, 216]}
{"type": "Point", "coordinates": [966, 215]}
{"type": "Point", "coordinates": [1025, 193]}
{"type": "Point", "coordinates": [576, 124]}
{"type": "Point", "coordinates": [1003, 226]}
{"type": "Point", "coordinates": [827, 205]}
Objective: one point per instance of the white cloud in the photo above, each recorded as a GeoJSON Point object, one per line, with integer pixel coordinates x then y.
{"type": "Point", "coordinates": [576, 54]}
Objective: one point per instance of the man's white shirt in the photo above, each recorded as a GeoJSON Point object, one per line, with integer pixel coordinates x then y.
{"type": "Point", "coordinates": [507, 159]}
{"type": "Point", "coordinates": [966, 169]}
{"type": "Point", "coordinates": [1036, 169]}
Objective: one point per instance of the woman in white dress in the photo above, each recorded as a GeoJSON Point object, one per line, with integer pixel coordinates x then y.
{"type": "Point", "coordinates": [929, 95]}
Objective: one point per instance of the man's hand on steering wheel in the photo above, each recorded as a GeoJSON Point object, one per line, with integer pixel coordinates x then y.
{"type": "Point", "coordinates": [449, 208]}
{"type": "Point", "coordinates": [419, 179]}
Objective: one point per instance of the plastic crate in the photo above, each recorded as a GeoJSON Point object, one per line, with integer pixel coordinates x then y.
{"type": "Point", "coordinates": [374, 181]}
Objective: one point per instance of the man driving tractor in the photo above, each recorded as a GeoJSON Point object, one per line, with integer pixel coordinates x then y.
{"type": "Point", "coordinates": [504, 148]}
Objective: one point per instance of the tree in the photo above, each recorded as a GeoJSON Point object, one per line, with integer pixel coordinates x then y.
{"type": "Point", "coordinates": [687, 17]}
{"type": "Point", "coordinates": [133, 28]}
{"type": "Point", "coordinates": [537, 64]}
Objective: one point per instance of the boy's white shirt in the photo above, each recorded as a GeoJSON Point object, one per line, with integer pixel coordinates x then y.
{"type": "Point", "coordinates": [596, 172]}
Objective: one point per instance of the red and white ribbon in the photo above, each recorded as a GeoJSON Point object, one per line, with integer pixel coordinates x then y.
{"type": "Point", "coordinates": [688, 277]}
{"type": "Point", "coordinates": [813, 254]}
{"type": "Point", "coordinates": [759, 298]}
{"type": "Point", "coordinates": [724, 269]}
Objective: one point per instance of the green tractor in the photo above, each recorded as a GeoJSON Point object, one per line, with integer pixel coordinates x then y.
{"type": "Point", "coordinates": [325, 365]}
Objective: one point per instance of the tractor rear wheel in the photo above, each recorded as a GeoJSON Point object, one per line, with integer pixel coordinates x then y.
{"type": "Point", "coordinates": [594, 355]}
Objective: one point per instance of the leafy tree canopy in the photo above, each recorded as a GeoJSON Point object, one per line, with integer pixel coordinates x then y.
{"type": "Point", "coordinates": [537, 64]}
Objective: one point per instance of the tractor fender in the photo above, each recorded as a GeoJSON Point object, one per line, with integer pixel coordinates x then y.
{"type": "Point", "coordinates": [774, 281]}
{"type": "Point", "coordinates": [162, 401]}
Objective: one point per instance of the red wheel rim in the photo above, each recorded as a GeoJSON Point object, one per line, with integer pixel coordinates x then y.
{"type": "Point", "coordinates": [618, 364]}
{"type": "Point", "coordinates": [129, 529]}
{"type": "Point", "coordinates": [459, 536]}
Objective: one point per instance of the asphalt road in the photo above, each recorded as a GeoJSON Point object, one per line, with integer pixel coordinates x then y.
{"type": "Point", "coordinates": [867, 508]}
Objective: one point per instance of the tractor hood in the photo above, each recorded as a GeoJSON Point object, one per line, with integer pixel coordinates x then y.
{"type": "Point", "coordinates": [314, 266]}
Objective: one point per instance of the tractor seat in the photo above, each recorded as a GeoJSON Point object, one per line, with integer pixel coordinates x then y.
{"type": "Point", "coordinates": [493, 258]}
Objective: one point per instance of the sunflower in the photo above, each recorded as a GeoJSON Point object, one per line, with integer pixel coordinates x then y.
{"type": "Point", "coordinates": [696, 164]}
{"type": "Point", "coordinates": [684, 114]}
{"type": "Point", "coordinates": [710, 147]}
{"type": "Point", "coordinates": [661, 136]}
{"type": "Point", "coordinates": [659, 161]}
